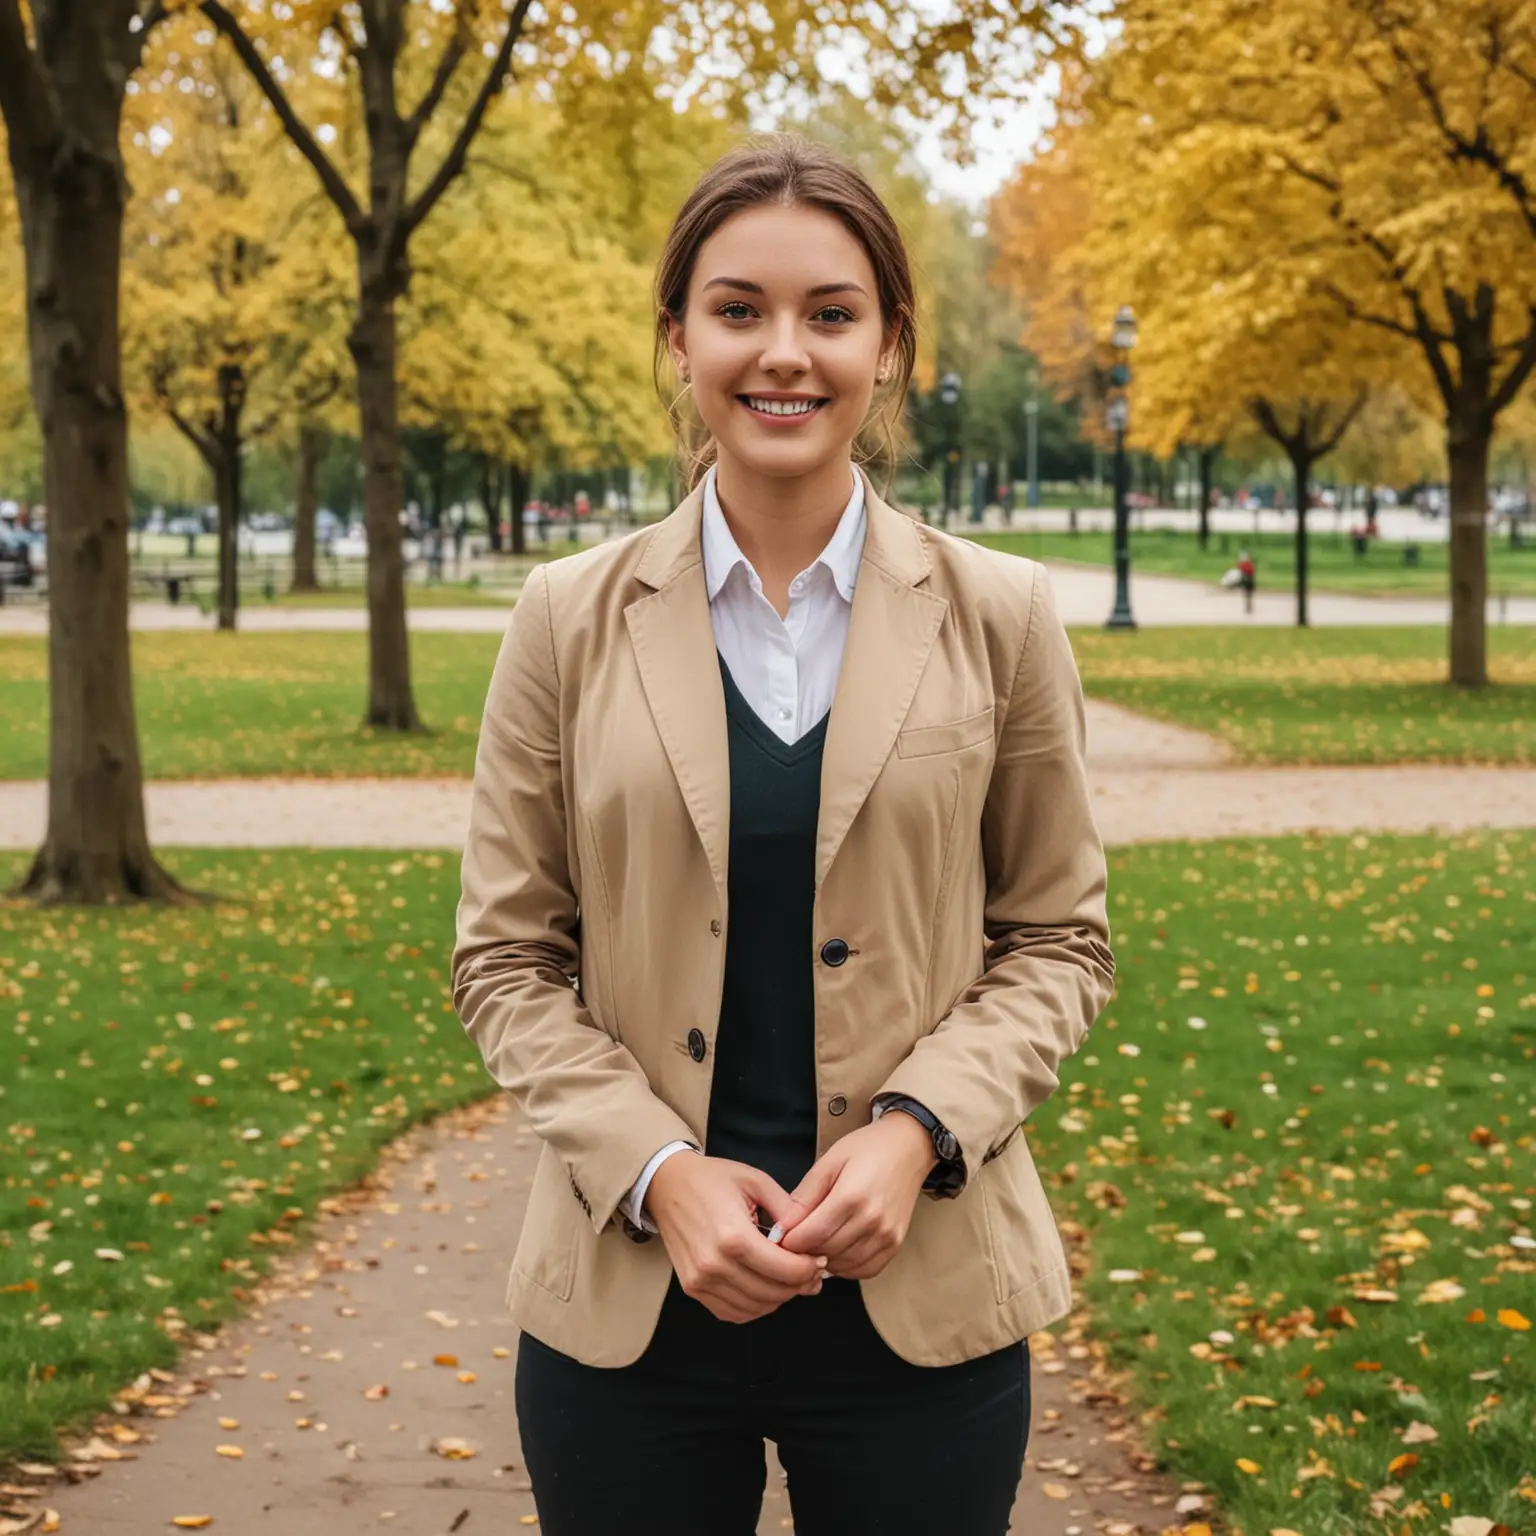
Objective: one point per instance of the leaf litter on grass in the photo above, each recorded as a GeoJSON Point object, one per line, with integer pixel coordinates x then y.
{"type": "Point", "coordinates": [185, 1085]}
{"type": "Point", "coordinates": [1310, 1189]}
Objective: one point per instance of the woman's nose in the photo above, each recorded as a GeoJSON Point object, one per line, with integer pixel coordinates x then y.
{"type": "Point", "coordinates": [784, 351]}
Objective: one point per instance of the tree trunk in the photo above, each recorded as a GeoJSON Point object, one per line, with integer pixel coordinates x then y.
{"type": "Point", "coordinates": [1207, 458]}
{"type": "Point", "coordinates": [490, 499]}
{"type": "Point", "coordinates": [373, 344]}
{"type": "Point", "coordinates": [305, 505]}
{"type": "Point", "coordinates": [1301, 467]}
{"type": "Point", "coordinates": [1468, 440]}
{"type": "Point", "coordinates": [96, 848]}
{"type": "Point", "coordinates": [226, 479]}
{"type": "Point", "coordinates": [517, 499]}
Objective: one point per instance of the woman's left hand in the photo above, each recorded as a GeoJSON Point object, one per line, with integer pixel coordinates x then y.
{"type": "Point", "coordinates": [856, 1202]}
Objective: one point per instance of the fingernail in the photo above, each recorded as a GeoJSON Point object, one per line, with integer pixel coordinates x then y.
{"type": "Point", "coordinates": [821, 1261]}
{"type": "Point", "coordinates": [775, 1232]}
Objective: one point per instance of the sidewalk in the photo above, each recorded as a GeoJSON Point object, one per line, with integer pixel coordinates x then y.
{"type": "Point", "coordinates": [412, 1273]}
{"type": "Point", "coordinates": [1084, 595]}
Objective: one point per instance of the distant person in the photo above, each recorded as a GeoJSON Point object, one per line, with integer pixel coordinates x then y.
{"type": "Point", "coordinates": [1247, 578]}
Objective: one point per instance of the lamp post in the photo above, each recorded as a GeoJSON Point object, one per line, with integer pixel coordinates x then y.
{"type": "Point", "coordinates": [949, 398]}
{"type": "Point", "coordinates": [1117, 418]}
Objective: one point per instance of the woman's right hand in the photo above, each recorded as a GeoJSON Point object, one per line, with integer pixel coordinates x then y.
{"type": "Point", "coordinates": [706, 1210]}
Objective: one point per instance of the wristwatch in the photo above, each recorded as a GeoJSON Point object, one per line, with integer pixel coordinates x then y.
{"type": "Point", "coordinates": [950, 1173]}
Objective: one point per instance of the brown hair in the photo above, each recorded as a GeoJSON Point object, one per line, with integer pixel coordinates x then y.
{"type": "Point", "coordinates": [795, 172]}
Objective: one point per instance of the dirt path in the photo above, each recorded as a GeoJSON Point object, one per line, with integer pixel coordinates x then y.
{"type": "Point", "coordinates": [411, 1271]}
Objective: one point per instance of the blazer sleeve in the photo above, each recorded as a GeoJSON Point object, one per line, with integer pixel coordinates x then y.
{"type": "Point", "coordinates": [517, 949]}
{"type": "Point", "coordinates": [1048, 968]}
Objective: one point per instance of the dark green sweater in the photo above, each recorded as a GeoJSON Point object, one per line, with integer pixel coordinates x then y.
{"type": "Point", "coordinates": [762, 1107]}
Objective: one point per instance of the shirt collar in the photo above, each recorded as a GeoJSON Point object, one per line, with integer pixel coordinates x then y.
{"type": "Point", "coordinates": [841, 557]}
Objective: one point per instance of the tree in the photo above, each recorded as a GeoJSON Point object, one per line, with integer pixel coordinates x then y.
{"type": "Point", "coordinates": [395, 48]}
{"type": "Point", "coordinates": [1308, 432]}
{"type": "Point", "coordinates": [62, 80]}
{"type": "Point", "coordinates": [235, 302]}
{"type": "Point", "coordinates": [1384, 169]}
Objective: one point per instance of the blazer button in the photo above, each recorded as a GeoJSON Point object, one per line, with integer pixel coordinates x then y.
{"type": "Point", "coordinates": [714, 926]}
{"type": "Point", "coordinates": [836, 1104]}
{"type": "Point", "coordinates": [835, 951]}
{"type": "Point", "coordinates": [696, 1044]}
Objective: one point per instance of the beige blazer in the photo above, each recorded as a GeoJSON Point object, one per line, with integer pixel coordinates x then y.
{"type": "Point", "coordinates": [956, 854]}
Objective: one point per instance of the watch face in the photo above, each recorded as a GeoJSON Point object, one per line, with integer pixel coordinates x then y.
{"type": "Point", "coordinates": [946, 1146]}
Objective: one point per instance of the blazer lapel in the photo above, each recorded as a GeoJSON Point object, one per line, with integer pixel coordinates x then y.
{"type": "Point", "coordinates": [674, 643]}
{"type": "Point", "coordinates": [891, 631]}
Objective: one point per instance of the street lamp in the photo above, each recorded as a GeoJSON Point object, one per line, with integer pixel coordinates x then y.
{"type": "Point", "coordinates": [949, 398]}
{"type": "Point", "coordinates": [1117, 417]}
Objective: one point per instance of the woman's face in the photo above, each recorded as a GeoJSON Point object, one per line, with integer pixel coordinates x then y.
{"type": "Point", "coordinates": [782, 338]}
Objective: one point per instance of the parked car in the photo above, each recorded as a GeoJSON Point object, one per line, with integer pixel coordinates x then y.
{"type": "Point", "coordinates": [16, 564]}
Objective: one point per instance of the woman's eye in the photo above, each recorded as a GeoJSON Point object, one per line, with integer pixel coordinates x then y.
{"type": "Point", "coordinates": [735, 310]}
{"type": "Point", "coordinates": [836, 313]}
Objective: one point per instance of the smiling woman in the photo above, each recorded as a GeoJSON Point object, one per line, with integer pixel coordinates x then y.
{"type": "Point", "coordinates": [816, 771]}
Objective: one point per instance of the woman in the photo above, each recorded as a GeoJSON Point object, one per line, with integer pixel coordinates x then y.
{"type": "Point", "coordinates": [792, 789]}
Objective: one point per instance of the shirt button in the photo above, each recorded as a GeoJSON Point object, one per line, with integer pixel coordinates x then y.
{"type": "Point", "coordinates": [696, 1044]}
{"type": "Point", "coordinates": [785, 714]}
{"type": "Point", "coordinates": [834, 951]}
{"type": "Point", "coordinates": [836, 1104]}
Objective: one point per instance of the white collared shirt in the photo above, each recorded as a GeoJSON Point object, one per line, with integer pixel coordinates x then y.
{"type": "Point", "coordinates": [786, 668]}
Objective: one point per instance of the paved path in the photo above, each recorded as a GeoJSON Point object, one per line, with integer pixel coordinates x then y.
{"type": "Point", "coordinates": [413, 1270]}
{"type": "Point", "coordinates": [1151, 782]}
{"type": "Point", "coordinates": [1084, 595]}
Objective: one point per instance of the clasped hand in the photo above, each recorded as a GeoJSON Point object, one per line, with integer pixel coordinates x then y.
{"type": "Point", "coordinates": [847, 1217]}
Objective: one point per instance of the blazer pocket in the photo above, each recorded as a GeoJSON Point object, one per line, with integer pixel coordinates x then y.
{"type": "Point", "coordinates": [951, 736]}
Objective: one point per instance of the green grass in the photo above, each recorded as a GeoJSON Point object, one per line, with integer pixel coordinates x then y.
{"type": "Point", "coordinates": [215, 705]}
{"type": "Point", "coordinates": [182, 1086]}
{"type": "Point", "coordinates": [1322, 695]}
{"type": "Point", "coordinates": [249, 704]}
{"type": "Point", "coordinates": [1290, 1190]}
{"type": "Point", "coordinates": [446, 595]}
{"type": "Point", "coordinates": [1332, 563]}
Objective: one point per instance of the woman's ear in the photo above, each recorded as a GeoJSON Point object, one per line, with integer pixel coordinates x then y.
{"type": "Point", "coordinates": [677, 347]}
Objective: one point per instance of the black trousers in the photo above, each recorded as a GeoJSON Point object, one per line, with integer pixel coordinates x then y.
{"type": "Point", "coordinates": [871, 1445]}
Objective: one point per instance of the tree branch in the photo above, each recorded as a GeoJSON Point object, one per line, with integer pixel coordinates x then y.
{"type": "Point", "coordinates": [1269, 421]}
{"type": "Point", "coordinates": [304, 141]}
{"type": "Point", "coordinates": [1519, 373]}
{"type": "Point", "coordinates": [453, 54]}
{"type": "Point", "coordinates": [453, 161]}
{"type": "Point", "coordinates": [1346, 421]}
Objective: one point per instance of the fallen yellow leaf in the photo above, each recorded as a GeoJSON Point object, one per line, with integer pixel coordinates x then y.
{"type": "Point", "coordinates": [229, 1423]}
{"type": "Point", "coordinates": [1513, 1319]}
{"type": "Point", "coordinates": [192, 1522]}
{"type": "Point", "coordinates": [376, 1394]}
{"type": "Point", "coordinates": [501, 1351]}
{"type": "Point", "coordinates": [1282, 1530]}
{"type": "Point", "coordinates": [1244, 1465]}
{"type": "Point", "coordinates": [445, 1359]}
{"type": "Point", "coordinates": [232, 1451]}
{"type": "Point", "coordinates": [1054, 1491]}
{"type": "Point", "coordinates": [451, 1449]}
{"type": "Point", "coordinates": [527, 1519]}
{"type": "Point", "coordinates": [51, 1521]}
{"type": "Point", "coordinates": [1404, 1463]}
{"type": "Point", "coordinates": [467, 1376]}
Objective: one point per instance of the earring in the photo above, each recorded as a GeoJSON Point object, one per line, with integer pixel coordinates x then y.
{"type": "Point", "coordinates": [682, 373]}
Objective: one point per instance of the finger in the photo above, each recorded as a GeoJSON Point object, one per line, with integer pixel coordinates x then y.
{"type": "Point", "coordinates": [762, 1189]}
{"type": "Point", "coordinates": [777, 1265]}
{"type": "Point", "coordinates": [862, 1260]}
{"type": "Point", "coordinates": [809, 1193]}
{"type": "Point", "coordinates": [823, 1231]}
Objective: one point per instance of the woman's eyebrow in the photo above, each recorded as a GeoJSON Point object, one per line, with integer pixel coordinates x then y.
{"type": "Point", "coordinates": [811, 293]}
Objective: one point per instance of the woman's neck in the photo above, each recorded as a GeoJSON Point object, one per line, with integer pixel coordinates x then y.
{"type": "Point", "coordinates": [782, 524]}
